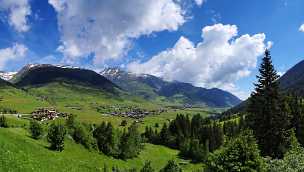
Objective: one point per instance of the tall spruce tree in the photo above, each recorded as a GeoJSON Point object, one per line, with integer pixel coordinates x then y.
{"type": "Point", "coordinates": [268, 112]}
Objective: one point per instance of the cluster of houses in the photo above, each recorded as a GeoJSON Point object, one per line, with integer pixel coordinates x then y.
{"type": "Point", "coordinates": [132, 112]}
{"type": "Point", "coordinates": [44, 114]}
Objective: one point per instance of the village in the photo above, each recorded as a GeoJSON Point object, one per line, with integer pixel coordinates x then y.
{"type": "Point", "coordinates": [129, 111]}
{"type": "Point", "coordinates": [50, 113]}
{"type": "Point", "coordinates": [47, 113]}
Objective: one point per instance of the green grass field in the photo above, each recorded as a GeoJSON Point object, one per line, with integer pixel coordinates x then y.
{"type": "Point", "coordinates": [19, 152]}
{"type": "Point", "coordinates": [86, 100]}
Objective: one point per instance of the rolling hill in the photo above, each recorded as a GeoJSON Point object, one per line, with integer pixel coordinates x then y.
{"type": "Point", "coordinates": [156, 89]}
{"type": "Point", "coordinates": [14, 99]}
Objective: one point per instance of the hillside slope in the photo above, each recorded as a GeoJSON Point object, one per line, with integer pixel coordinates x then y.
{"type": "Point", "coordinates": [73, 90]}
{"type": "Point", "coordinates": [31, 75]}
{"type": "Point", "coordinates": [293, 79]}
{"type": "Point", "coordinates": [153, 88]}
{"type": "Point", "coordinates": [12, 98]}
{"type": "Point", "coordinates": [35, 156]}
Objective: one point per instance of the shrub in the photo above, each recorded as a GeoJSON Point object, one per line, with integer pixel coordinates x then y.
{"type": "Point", "coordinates": [56, 136]}
{"type": "Point", "coordinates": [147, 167]}
{"type": "Point", "coordinates": [293, 160]}
{"type": "Point", "coordinates": [130, 143]}
{"type": "Point", "coordinates": [124, 123]}
{"type": "Point", "coordinates": [3, 122]}
{"type": "Point", "coordinates": [107, 139]}
{"type": "Point", "coordinates": [238, 155]}
{"type": "Point", "coordinates": [36, 129]}
{"type": "Point", "coordinates": [171, 167]}
{"type": "Point", "coordinates": [82, 136]}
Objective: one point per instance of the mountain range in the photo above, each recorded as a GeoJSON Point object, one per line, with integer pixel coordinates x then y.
{"type": "Point", "coordinates": [44, 81]}
{"type": "Point", "coordinates": [154, 88]}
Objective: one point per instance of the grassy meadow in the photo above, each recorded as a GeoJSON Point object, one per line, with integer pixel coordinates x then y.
{"type": "Point", "coordinates": [19, 152]}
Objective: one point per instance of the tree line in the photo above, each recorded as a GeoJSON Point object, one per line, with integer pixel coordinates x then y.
{"type": "Point", "coordinates": [195, 137]}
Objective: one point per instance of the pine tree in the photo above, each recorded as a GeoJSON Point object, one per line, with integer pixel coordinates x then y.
{"type": "Point", "coordinates": [268, 116]}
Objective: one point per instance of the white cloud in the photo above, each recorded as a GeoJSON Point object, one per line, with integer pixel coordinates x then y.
{"type": "Point", "coordinates": [18, 11]}
{"type": "Point", "coordinates": [15, 52]}
{"type": "Point", "coordinates": [199, 2]}
{"type": "Point", "coordinates": [269, 44]}
{"type": "Point", "coordinates": [219, 60]}
{"type": "Point", "coordinates": [106, 28]}
{"type": "Point", "coordinates": [301, 29]}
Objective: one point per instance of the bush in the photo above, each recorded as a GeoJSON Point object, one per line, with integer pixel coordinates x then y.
{"type": "Point", "coordinates": [147, 167]}
{"type": "Point", "coordinates": [238, 155]}
{"type": "Point", "coordinates": [130, 143]}
{"type": "Point", "coordinates": [171, 167]}
{"type": "Point", "coordinates": [56, 136]}
{"type": "Point", "coordinates": [82, 136]}
{"type": "Point", "coordinates": [36, 129]}
{"type": "Point", "coordinates": [3, 122]}
{"type": "Point", "coordinates": [293, 160]}
{"type": "Point", "coordinates": [124, 123]}
{"type": "Point", "coordinates": [107, 139]}
{"type": "Point", "coordinates": [71, 121]}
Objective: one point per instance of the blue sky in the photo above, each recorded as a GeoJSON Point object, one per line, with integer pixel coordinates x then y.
{"type": "Point", "coordinates": [160, 37]}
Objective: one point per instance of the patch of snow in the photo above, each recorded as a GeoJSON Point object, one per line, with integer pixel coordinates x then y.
{"type": "Point", "coordinates": [7, 75]}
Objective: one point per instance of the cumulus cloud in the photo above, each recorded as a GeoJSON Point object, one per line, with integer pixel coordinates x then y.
{"type": "Point", "coordinates": [301, 29]}
{"type": "Point", "coordinates": [18, 11]}
{"type": "Point", "coordinates": [219, 60]}
{"type": "Point", "coordinates": [199, 2]}
{"type": "Point", "coordinates": [106, 28]}
{"type": "Point", "coordinates": [15, 52]}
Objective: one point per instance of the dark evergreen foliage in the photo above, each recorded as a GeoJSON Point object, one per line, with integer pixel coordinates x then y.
{"type": "Point", "coordinates": [297, 111]}
{"type": "Point", "coordinates": [268, 112]}
{"type": "Point", "coordinates": [194, 138]}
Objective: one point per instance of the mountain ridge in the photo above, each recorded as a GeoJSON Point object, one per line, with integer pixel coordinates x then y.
{"type": "Point", "coordinates": [184, 93]}
{"type": "Point", "coordinates": [31, 75]}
